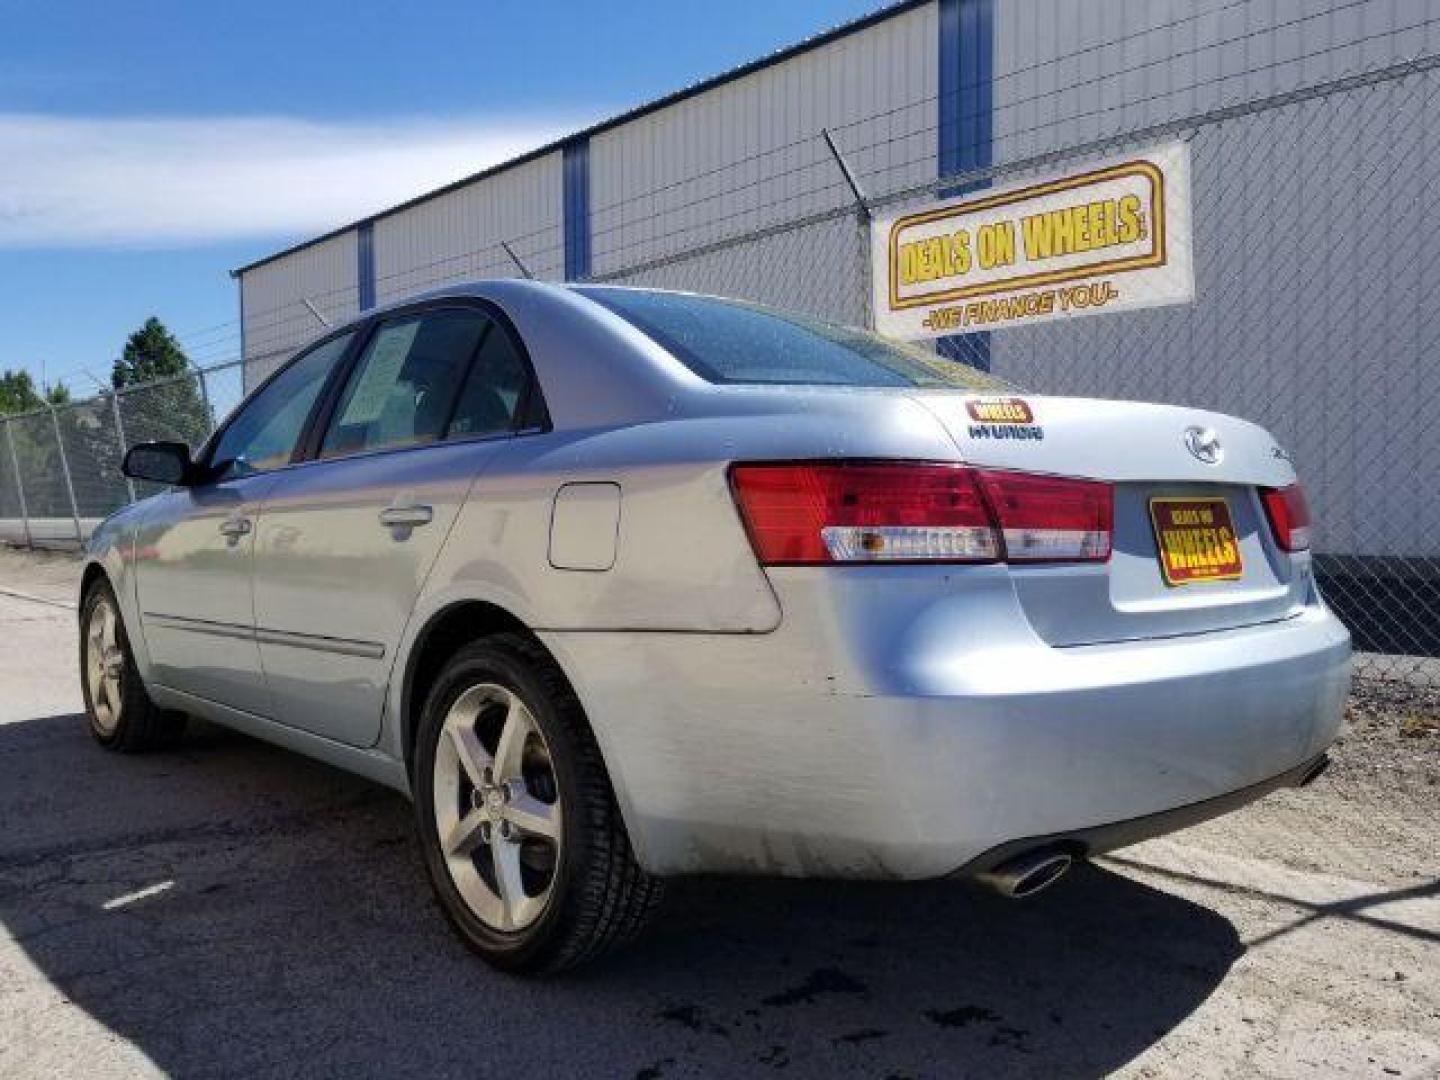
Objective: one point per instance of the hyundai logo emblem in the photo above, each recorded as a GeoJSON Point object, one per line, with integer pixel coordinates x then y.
{"type": "Point", "coordinates": [1203, 444]}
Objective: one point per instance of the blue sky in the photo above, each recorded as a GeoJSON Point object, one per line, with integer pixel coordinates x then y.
{"type": "Point", "coordinates": [148, 148]}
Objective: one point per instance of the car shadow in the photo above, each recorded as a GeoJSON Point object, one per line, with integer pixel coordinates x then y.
{"type": "Point", "coordinates": [229, 908]}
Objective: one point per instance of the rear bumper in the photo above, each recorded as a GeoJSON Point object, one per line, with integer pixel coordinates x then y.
{"type": "Point", "coordinates": [1098, 839]}
{"type": "Point", "coordinates": [871, 736]}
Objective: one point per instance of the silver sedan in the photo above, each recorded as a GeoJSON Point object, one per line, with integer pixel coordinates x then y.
{"type": "Point", "coordinates": [623, 584]}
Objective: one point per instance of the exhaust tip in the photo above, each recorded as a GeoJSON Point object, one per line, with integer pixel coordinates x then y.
{"type": "Point", "coordinates": [1028, 873]}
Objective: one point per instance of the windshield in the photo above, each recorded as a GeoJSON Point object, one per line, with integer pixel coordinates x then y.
{"type": "Point", "coordinates": [732, 341]}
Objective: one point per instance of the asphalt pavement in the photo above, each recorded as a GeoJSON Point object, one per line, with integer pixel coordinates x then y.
{"type": "Point", "coordinates": [232, 909]}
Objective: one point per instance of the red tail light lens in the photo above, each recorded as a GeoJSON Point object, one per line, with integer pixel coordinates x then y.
{"type": "Point", "coordinates": [1051, 518]}
{"type": "Point", "coordinates": [897, 512]}
{"type": "Point", "coordinates": [820, 513]}
{"type": "Point", "coordinates": [1289, 515]}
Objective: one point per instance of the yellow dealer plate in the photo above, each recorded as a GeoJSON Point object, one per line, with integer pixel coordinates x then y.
{"type": "Point", "coordinates": [1196, 540]}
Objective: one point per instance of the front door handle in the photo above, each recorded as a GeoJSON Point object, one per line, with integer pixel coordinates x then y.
{"type": "Point", "coordinates": [406, 517]}
{"type": "Point", "coordinates": [235, 527]}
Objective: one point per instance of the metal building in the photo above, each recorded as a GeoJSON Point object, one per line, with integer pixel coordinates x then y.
{"type": "Point", "coordinates": [1313, 142]}
{"type": "Point", "coordinates": [728, 154]}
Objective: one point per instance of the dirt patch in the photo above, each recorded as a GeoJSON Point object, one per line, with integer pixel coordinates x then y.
{"type": "Point", "coordinates": [1392, 740]}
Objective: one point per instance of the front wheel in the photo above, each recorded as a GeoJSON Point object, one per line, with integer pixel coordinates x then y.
{"type": "Point", "coordinates": [521, 833]}
{"type": "Point", "coordinates": [121, 714]}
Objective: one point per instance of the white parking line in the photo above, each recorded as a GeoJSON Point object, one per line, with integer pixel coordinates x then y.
{"type": "Point", "coordinates": [139, 894]}
{"type": "Point", "coordinates": [48, 601]}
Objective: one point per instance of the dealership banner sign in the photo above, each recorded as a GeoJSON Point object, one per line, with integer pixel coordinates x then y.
{"type": "Point", "coordinates": [1112, 237]}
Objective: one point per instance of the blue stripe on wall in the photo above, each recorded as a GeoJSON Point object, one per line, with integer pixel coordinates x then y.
{"type": "Point", "coordinates": [365, 257]}
{"type": "Point", "coordinates": [575, 178]}
{"type": "Point", "coordinates": [967, 54]}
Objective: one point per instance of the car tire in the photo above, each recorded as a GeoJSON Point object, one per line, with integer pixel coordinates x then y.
{"type": "Point", "coordinates": [119, 711]}
{"type": "Point", "coordinates": [555, 883]}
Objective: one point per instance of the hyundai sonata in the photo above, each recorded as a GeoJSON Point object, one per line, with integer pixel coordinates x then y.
{"type": "Point", "coordinates": [623, 584]}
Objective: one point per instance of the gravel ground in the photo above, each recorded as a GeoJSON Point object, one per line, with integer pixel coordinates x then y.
{"type": "Point", "coordinates": [1393, 740]}
{"type": "Point", "coordinates": [233, 909]}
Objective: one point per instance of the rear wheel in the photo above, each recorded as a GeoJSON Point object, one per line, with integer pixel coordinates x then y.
{"type": "Point", "coordinates": [522, 837]}
{"type": "Point", "coordinates": [121, 714]}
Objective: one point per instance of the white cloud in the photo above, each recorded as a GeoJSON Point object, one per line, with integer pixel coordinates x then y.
{"type": "Point", "coordinates": [174, 182]}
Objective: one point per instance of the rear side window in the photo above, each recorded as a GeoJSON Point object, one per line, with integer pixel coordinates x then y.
{"type": "Point", "coordinates": [495, 390]}
{"type": "Point", "coordinates": [730, 341]}
{"type": "Point", "coordinates": [405, 383]}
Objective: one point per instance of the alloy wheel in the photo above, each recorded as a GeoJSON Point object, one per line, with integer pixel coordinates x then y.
{"type": "Point", "coordinates": [104, 666]}
{"type": "Point", "coordinates": [497, 807]}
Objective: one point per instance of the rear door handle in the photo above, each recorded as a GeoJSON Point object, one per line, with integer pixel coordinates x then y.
{"type": "Point", "coordinates": [235, 527]}
{"type": "Point", "coordinates": [406, 517]}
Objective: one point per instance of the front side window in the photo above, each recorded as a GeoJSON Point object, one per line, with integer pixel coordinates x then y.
{"type": "Point", "coordinates": [404, 385]}
{"type": "Point", "coordinates": [731, 341]}
{"type": "Point", "coordinates": [264, 433]}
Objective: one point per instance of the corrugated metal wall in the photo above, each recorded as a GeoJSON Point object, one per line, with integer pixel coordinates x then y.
{"type": "Point", "coordinates": [456, 236]}
{"type": "Point", "coordinates": [749, 154]}
{"type": "Point", "coordinates": [1067, 72]}
{"type": "Point", "coordinates": [275, 319]}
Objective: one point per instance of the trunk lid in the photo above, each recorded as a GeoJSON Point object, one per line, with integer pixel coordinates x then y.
{"type": "Point", "coordinates": [1149, 452]}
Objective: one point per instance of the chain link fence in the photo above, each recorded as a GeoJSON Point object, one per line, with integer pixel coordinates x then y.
{"type": "Point", "coordinates": [1315, 265]}
{"type": "Point", "coordinates": [60, 466]}
{"type": "Point", "coordinates": [1315, 316]}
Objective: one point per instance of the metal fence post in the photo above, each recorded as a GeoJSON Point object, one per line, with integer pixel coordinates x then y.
{"type": "Point", "coordinates": [120, 437]}
{"type": "Point", "coordinates": [205, 402]}
{"type": "Point", "coordinates": [19, 482]}
{"type": "Point", "coordinates": [65, 470]}
{"type": "Point", "coordinates": [516, 260]}
{"type": "Point", "coordinates": [862, 221]}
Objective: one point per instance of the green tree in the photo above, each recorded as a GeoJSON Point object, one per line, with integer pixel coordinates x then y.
{"type": "Point", "coordinates": [18, 393]}
{"type": "Point", "coordinates": [150, 353]}
{"type": "Point", "coordinates": [32, 440]}
{"type": "Point", "coordinates": [172, 408]}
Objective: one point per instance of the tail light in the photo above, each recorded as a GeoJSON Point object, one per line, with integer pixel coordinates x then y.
{"type": "Point", "coordinates": [1289, 515]}
{"type": "Point", "coordinates": [1050, 518]}
{"type": "Point", "coordinates": [840, 512]}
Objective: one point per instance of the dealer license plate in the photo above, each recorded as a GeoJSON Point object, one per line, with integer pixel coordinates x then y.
{"type": "Point", "coordinates": [1196, 540]}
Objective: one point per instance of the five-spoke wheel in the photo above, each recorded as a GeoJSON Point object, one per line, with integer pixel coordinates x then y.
{"type": "Point", "coordinates": [521, 831]}
{"type": "Point", "coordinates": [104, 665]}
{"type": "Point", "coordinates": [497, 806]}
{"type": "Point", "coordinates": [121, 714]}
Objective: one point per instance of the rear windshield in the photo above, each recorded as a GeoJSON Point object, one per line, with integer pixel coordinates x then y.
{"type": "Point", "coordinates": [731, 341]}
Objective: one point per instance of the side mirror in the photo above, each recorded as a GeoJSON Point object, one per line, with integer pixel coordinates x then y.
{"type": "Point", "coordinates": [160, 463]}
